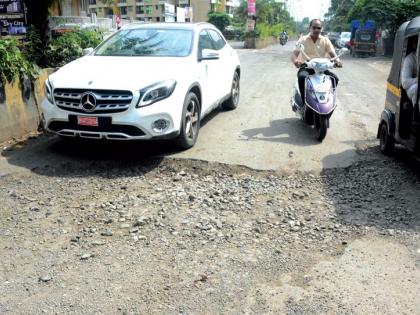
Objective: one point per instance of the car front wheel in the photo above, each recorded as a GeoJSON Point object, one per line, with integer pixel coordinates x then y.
{"type": "Point", "coordinates": [190, 122]}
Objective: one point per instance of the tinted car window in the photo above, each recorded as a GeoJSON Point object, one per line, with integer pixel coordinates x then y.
{"type": "Point", "coordinates": [204, 42]}
{"type": "Point", "coordinates": [218, 41]}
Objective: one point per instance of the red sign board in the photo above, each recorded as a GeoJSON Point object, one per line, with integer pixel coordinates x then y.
{"type": "Point", "coordinates": [252, 8]}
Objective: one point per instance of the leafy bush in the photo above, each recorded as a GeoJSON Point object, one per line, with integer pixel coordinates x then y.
{"type": "Point", "coordinates": [33, 46]}
{"type": "Point", "coordinates": [266, 30]}
{"type": "Point", "coordinates": [220, 20]}
{"type": "Point", "coordinates": [69, 46]}
{"type": "Point", "coordinates": [251, 34]}
{"type": "Point", "coordinates": [13, 63]}
{"type": "Point", "coordinates": [89, 38]}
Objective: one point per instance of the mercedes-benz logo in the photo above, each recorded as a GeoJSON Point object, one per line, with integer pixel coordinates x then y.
{"type": "Point", "coordinates": [88, 102]}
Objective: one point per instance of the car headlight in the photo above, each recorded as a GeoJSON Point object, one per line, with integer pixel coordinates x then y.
{"type": "Point", "coordinates": [48, 91]}
{"type": "Point", "coordinates": [156, 92]}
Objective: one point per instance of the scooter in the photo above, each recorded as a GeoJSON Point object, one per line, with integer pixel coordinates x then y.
{"type": "Point", "coordinates": [283, 40]}
{"type": "Point", "coordinates": [320, 101]}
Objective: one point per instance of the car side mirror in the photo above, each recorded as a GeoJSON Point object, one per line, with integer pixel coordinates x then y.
{"type": "Point", "coordinates": [87, 51]}
{"type": "Point", "coordinates": [209, 54]}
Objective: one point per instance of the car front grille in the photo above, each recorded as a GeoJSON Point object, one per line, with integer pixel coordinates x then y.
{"type": "Point", "coordinates": [107, 101]}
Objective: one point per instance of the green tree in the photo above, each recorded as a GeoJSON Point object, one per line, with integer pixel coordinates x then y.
{"type": "Point", "coordinates": [220, 20]}
{"type": "Point", "coordinates": [303, 25]}
{"type": "Point", "coordinates": [336, 18]}
{"type": "Point", "coordinates": [388, 14]}
{"type": "Point", "coordinates": [269, 12]}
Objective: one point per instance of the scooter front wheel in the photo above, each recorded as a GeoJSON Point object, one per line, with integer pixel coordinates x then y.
{"type": "Point", "coordinates": [321, 127]}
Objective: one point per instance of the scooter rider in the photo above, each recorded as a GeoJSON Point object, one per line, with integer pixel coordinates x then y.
{"type": "Point", "coordinates": [284, 34]}
{"type": "Point", "coordinates": [283, 37]}
{"type": "Point", "coordinates": [316, 46]}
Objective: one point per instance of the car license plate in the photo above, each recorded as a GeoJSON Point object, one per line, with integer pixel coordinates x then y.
{"type": "Point", "coordinates": [87, 121]}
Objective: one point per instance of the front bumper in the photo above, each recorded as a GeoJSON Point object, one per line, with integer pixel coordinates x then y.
{"type": "Point", "coordinates": [132, 124]}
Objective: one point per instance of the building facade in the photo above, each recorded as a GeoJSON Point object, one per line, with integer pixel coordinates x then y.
{"type": "Point", "coordinates": [71, 8]}
{"type": "Point", "coordinates": [159, 10]}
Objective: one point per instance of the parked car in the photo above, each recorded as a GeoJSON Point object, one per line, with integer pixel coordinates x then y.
{"type": "Point", "coordinates": [71, 27]}
{"type": "Point", "coordinates": [344, 40]}
{"type": "Point", "coordinates": [334, 37]}
{"type": "Point", "coordinates": [147, 81]}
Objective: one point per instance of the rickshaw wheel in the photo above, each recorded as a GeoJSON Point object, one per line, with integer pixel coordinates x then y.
{"type": "Point", "coordinates": [386, 141]}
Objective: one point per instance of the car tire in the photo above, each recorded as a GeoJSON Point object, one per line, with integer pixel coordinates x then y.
{"type": "Point", "coordinates": [233, 100]}
{"type": "Point", "coordinates": [386, 141]}
{"type": "Point", "coordinates": [190, 122]}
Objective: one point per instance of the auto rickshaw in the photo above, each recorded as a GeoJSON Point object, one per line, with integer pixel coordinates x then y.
{"type": "Point", "coordinates": [400, 120]}
{"type": "Point", "coordinates": [364, 43]}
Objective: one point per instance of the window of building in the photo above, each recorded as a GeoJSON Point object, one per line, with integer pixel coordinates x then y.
{"type": "Point", "coordinates": [158, 19]}
{"type": "Point", "coordinates": [140, 10]}
{"type": "Point", "coordinates": [123, 10]}
{"type": "Point", "coordinates": [149, 9]}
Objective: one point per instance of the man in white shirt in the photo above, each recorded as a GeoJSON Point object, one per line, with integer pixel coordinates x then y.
{"type": "Point", "coordinates": [316, 46]}
{"type": "Point", "coordinates": [409, 75]}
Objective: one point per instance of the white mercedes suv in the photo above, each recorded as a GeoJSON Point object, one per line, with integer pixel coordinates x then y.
{"type": "Point", "coordinates": [147, 81]}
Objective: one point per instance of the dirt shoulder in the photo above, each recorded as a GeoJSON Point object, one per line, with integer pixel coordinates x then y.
{"type": "Point", "coordinates": [165, 236]}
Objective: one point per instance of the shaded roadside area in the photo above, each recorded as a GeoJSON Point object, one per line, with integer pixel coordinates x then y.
{"type": "Point", "coordinates": [378, 192]}
{"type": "Point", "coordinates": [52, 156]}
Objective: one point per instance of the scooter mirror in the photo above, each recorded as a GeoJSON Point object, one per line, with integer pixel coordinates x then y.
{"type": "Point", "coordinates": [300, 47]}
{"type": "Point", "coordinates": [343, 51]}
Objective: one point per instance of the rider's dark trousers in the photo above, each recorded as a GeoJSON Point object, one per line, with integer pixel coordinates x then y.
{"type": "Point", "coordinates": [303, 73]}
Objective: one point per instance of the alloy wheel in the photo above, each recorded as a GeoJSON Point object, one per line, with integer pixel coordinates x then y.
{"type": "Point", "coordinates": [191, 120]}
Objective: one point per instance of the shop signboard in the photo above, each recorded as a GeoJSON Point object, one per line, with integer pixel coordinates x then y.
{"type": "Point", "coordinates": [12, 18]}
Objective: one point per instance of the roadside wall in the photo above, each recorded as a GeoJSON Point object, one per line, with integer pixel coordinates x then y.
{"type": "Point", "coordinates": [19, 112]}
{"type": "Point", "coordinates": [259, 43]}
{"type": "Point", "coordinates": [56, 20]}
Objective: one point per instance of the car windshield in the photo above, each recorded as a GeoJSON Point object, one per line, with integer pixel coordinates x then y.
{"type": "Point", "coordinates": [148, 42]}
